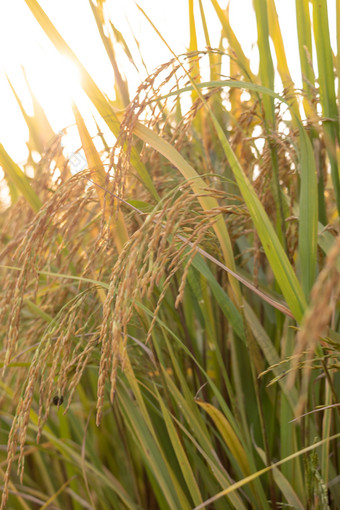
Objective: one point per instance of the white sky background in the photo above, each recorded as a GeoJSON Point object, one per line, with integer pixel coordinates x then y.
{"type": "Point", "coordinates": [54, 81]}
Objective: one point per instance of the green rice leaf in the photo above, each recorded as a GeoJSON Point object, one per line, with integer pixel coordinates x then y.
{"type": "Point", "coordinates": [150, 451]}
{"type": "Point", "coordinates": [228, 435]}
{"type": "Point", "coordinates": [248, 479]}
{"type": "Point", "coordinates": [284, 485]}
{"type": "Point", "coordinates": [242, 60]}
{"type": "Point", "coordinates": [18, 182]}
{"type": "Point", "coordinates": [327, 91]}
{"type": "Point", "coordinates": [180, 454]}
{"type": "Point", "coordinates": [266, 70]}
{"type": "Point", "coordinates": [308, 220]}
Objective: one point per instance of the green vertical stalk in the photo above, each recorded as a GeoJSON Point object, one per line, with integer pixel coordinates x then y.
{"type": "Point", "coordinates": [253, 349]}
{"type": "Point", "coordinates": [338, 49]}
{"type": "Point", "coordinates": [266, 72]}
{"type": "Point", "coordinates": [282, 64]}
{"type": "Point", "coordinates": [228, 33]}
{"type": "Point", "coordinates": [327, 89]}
{"type": "Point", "coordinates": [304, 32]}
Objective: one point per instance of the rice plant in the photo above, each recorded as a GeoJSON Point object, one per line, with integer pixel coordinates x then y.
{"type": "Point", "coordinates": [170, 314]}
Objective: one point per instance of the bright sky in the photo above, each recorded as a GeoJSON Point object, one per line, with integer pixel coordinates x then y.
{"type": "Point", "coordinates": [54, 80]}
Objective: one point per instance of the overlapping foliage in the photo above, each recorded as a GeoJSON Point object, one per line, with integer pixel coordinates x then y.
{"type": "Point", "coordinates": [179, 298]}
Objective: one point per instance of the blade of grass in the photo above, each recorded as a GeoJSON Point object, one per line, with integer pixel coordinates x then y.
{"type": "Point", "coordinates": [41, 133]}
{"type": "Point", "coordinates": [228, 308]}
{"type": "Point", "coordinates": [228, 435]}
{"type": "Point", "coordinates": [121, 87]}
{"type": "Point", "coordinates": [266, 73]}
{"type": "Point", "coordinates": [151, 453]}
{"type": "Point", "coordinates": [18, 181]}
{"type": "Point", "coordinates": [326, 430]}
{"type": "Point", "coordinates": [235, 446]}
{"type": "Point", "coordinates": [290, 440]}
{"type": "Point", "coordinates": [266, 69]}
{"type": "Point", "coordinates": [199, 121]}
{"type": "Point", "coordinates": [284, 485]}
{"type": "Point", "coordinates": [40, 130]}
{"type": "Point", "coordinates": [308, 218]}
{"type": "Point", "coordinates": [304, 31]}
{"type": "Point", "coordinates": [73, 480]}
{"type": "Point", "coordinates": [180, 454]}
{"type": "Point", "coordinates": [214, 59]}
{"type": "Point", "coordinates": [327, 91]}
{"type": "Point", "coordinates": [62, 275]}
{"type": "Point", "coordinates": [252, 477]}
{"type": "Point", "coordinates": [282, 65]}
{"type": "Point", "coordinates": [338, 51]}
{"type": "Point", "coordinates": [269, 352]}
{"type": "Point", "coordinates": [234, 45]}
{"type": "Point", "coordinates": [195, 71]}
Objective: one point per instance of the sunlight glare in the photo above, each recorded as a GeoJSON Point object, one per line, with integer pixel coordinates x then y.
{"type": "Point", "coordinates": [56, 84]}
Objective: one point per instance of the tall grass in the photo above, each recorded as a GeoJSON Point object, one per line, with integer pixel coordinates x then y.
{"type": "Point", "coordinates": [170, 315]}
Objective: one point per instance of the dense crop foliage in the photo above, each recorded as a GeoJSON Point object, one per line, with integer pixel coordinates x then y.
{"type": "Point", "coordinates": [170, 314]}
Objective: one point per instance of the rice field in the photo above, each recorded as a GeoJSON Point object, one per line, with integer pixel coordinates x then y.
{"type": "Point", "coordinates": [170, 319]}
